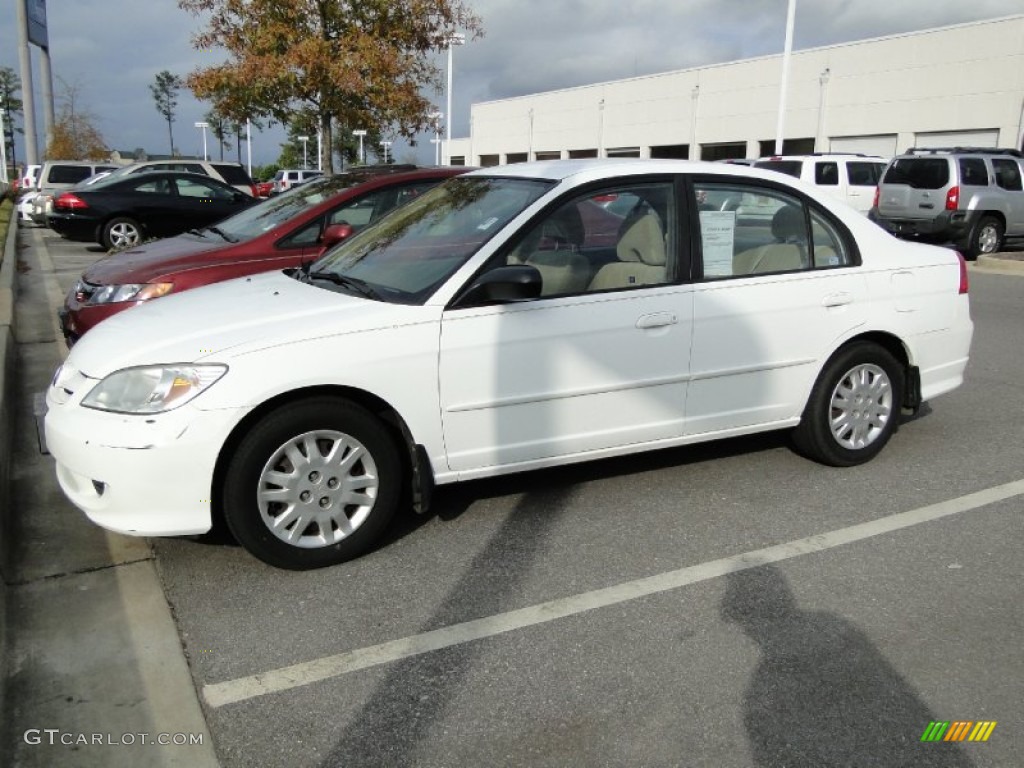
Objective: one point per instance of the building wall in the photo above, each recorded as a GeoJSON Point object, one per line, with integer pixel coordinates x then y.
{"type": "Point", "coordinates": [882, 95]}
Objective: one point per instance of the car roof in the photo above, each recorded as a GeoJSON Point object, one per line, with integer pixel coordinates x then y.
{"type": "Point", "coordinates": [594, 169]}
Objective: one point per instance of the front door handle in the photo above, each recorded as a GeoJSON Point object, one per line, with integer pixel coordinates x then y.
{"type": "Point", "coordinates": [657, 320]}
{"type": "Point", "coordinates": [840, 299]}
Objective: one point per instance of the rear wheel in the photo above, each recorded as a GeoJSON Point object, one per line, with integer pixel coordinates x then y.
{"type": "Point", "coordinates": [121, 233]}
{"type": "Point", "coordinates": [854, 406]}
{"type": "Point", "coordinates": [986, 238]}
{"type": "Point", "coordinates": [314, 483]}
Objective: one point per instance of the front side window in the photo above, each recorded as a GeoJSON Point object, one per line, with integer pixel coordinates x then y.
{"type": "Point", "coordinates": [193, 188]}
{"type": "Point", "coordinates": [406, 255]}
{"type": "Point", "coordinates": [762, 231]}
{"type": "Point", "coordinates": [619, 238]}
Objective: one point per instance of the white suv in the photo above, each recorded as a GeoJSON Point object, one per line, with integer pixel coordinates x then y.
{"type": "Point", "coordinates": [849, 177]}
{"type": "Point", "coordinates": [286, 178]}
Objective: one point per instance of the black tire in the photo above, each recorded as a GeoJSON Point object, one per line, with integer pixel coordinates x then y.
{"type": "Point", "coordinates": [824, 435]}
{"type": "Point", "coordinates": [121, 232]}
{"type": "Point", "coordinates": [986, 238]}
{"type": "Point", "coordinates": [248, 494]}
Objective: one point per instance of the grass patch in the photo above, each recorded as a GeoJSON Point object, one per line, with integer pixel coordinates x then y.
{"type": "Point", "coordinates": [6, 211]}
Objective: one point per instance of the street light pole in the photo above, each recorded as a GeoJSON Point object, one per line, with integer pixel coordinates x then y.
{"type": "Point", "coordinates": [436, 118]}
{"type": "Point", "coordinates": [3, 149]}
{"type": "Point", "coordinates": [788, 49]}
{"type": "Point", "coordinates": [360, 132]}
{"type": "Point", "coordinates": [305, 162]}
{"type": "Point", "coordinates": [385, 144]}
{"type": "Point", "coordinates": [456, 39]}
{"type": "Point", "coordinates": [204, 126]}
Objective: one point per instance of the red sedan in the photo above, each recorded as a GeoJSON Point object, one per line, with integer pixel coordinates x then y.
{"type": "Point", "coordinates": [278, 233]}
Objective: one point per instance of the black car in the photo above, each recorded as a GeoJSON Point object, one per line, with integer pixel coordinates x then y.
{"type": "Point", "coordinates": [121, 212]}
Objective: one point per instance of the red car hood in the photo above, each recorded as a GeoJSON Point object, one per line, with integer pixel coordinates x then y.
{"type": "Point", "coordinates": [145, 262]}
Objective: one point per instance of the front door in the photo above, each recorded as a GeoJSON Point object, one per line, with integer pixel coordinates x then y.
{"type": "Point", "coordinates": [599, 361]}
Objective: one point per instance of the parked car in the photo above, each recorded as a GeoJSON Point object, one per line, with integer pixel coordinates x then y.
{"type": "Point", "coordinates": [226, 171]}
{"type": "Point", "coordinates": [274, 234]}
{"type": "Point", "coordinates": [286, 178]}
{"type": "Point", "coordinates": [56, 177]}
{"type": "Point", "coordinates": [972, 197]}
{"type": "Point", "coordinates": [264, 188]}
{"type": "Point", "coordinates": [29, 177]}
{"type": "Point", "coordinates": [119, 212]}
{"type": "Point", "coordinates": [472, 333]}
{"type": "Point", "coordinates": [24, 205]}
{"type": "Point", "coordinates": [848, 177]}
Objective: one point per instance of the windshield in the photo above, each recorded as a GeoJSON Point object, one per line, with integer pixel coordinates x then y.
{"type": "Point", "coordinates": [264, 216]}
{"type": "Point", "coordinates": [406, 255]}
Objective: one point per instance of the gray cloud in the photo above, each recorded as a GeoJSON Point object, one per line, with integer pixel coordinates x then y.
{"type": "Point", "coordinates": [114, 48]}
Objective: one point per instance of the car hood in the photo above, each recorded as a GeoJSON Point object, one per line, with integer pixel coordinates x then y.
{"type": "Point", "coordinates": [139, 265]}
{"type": "Point", "coordinates": [221, 321]}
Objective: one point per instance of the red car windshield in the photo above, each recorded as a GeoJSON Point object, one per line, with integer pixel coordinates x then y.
{"type": "Point", "coordinates": [406, 255]}
{"type": "Point", "coordinates": [266, 215]}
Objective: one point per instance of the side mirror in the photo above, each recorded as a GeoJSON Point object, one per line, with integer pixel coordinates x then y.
{"type": "Point", "coordinates": [519, 282]}
{"type": "Point", "coordinates": [334, 234]}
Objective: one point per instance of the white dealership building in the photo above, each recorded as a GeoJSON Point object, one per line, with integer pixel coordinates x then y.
{"type": "Point", "coordinates": [961, 85]}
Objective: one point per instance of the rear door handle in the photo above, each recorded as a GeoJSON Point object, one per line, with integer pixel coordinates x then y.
{"type": "Point", "coordinates": [657, 320]}
{"type": "Point", "coordinates": [840, 299]}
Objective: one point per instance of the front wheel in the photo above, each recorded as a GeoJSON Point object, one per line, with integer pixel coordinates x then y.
{"type": "Point", "coordinates": [313, 484]}
{"type": "Point", "coordinates": [854, 407]}
{"type": "Point", "coordinates": [121, 233]}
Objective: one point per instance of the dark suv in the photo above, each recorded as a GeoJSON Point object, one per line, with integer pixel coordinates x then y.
{"type": "Point", "coordinates": [969, 196]}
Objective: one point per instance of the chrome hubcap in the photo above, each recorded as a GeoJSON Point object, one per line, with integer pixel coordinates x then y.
{"type": "Point", "coordinates": [317, 489]}
{"type": "Point", "coordinates": [988, 239]}
{"type": "Point", "coordinates": [861, 406]}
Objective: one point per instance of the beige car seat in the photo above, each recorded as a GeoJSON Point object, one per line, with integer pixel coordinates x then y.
{"type": "Point", "coordinates": [788, 252]}
{"type": "Point", "coordinates": [642, 256]}
{"type": "Point", "coordinates": [553, 248]}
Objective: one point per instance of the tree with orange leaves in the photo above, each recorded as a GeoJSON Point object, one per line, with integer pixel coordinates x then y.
{"type": "Point", "coordinates": [356, 63]}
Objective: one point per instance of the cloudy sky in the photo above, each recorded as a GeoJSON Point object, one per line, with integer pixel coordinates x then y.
{"type": "Point", "coordinates": [110, 50]}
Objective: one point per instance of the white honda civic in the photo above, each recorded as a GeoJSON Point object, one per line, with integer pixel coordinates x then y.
{"type": "Point", "coordinates": [508, 320]}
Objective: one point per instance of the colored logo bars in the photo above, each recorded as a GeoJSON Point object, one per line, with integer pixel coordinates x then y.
{"type": "Point", "coordinates": [958, 730]}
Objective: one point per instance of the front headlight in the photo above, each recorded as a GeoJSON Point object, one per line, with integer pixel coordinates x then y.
{"type": "Point", "coordinates": [111, 294]}
{"type": "Point", "coordinates": [152, 389]}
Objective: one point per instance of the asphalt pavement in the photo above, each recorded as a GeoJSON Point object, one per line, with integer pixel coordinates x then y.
{"type": "Point", "coordinates": [722, 605]}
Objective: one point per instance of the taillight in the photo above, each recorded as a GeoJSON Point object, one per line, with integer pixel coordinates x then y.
{"type": "Point", "coordinates": [953, 199]}
{"type": "Point", "coordinates": [70, 202]}
{"type": "Point", "coordinates": [878, 194]}
{"type": "Point", "coordinates": [963, 273]}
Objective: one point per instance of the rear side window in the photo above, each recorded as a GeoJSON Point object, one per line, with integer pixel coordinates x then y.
{"type": "Point", "coordinates": [918, 172]}
{"type": "Point", "coordinates": [788, 167]}
{"type": "Point", "coordinates": [826, 174]}
{"type": "Point", "coordinates": [1007, 174]}
{"type": "Point", "coordinates": [68, 174]}
{"type": "Point", "coordinates": [973, 172]}
{"type": "Point", "coordinates": [764, 231]}
{"type": "Point", "coordinates": [232, 174]}
{"type": "Point", "coordinates": [863, 174]}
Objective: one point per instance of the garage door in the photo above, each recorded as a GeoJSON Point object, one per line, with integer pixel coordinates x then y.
{"type": "Point", "coordinates": [983, 138]}
{"type": "Point", "coordinates": [882, 144]}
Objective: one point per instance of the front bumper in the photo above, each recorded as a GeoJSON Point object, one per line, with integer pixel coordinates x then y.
{"type": "Point", "coordinates": [138, 475]}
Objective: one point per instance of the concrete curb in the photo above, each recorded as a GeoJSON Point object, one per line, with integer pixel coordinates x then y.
{"type": "Point", "coordinates": [996, 264]}
{"type": "Point", "coordinates": [8, 270]}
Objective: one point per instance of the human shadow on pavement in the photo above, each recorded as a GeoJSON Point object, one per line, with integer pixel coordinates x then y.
{"type": "Point", "coordinates": [822, 695]}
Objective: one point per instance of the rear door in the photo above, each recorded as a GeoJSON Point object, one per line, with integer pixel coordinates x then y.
{"type": "Point", "coordinates": [1008, 174]}
{"type": "Point", "coordinates": [861, 180]}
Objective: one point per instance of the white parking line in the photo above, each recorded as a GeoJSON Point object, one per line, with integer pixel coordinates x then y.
{"type": "Point", "coordinates": [296, 675]}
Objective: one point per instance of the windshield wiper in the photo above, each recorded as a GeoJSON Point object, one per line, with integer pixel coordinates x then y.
{"type": "Point", "coordinates": [218, 231]}
{"type": "Point", "coordinates": [197, 232]}
{"type": "Point", "coordinates": [359, 286]}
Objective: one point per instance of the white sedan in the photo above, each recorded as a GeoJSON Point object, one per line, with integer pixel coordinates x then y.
{"type": "Point", "coordinates": [502, 322]}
